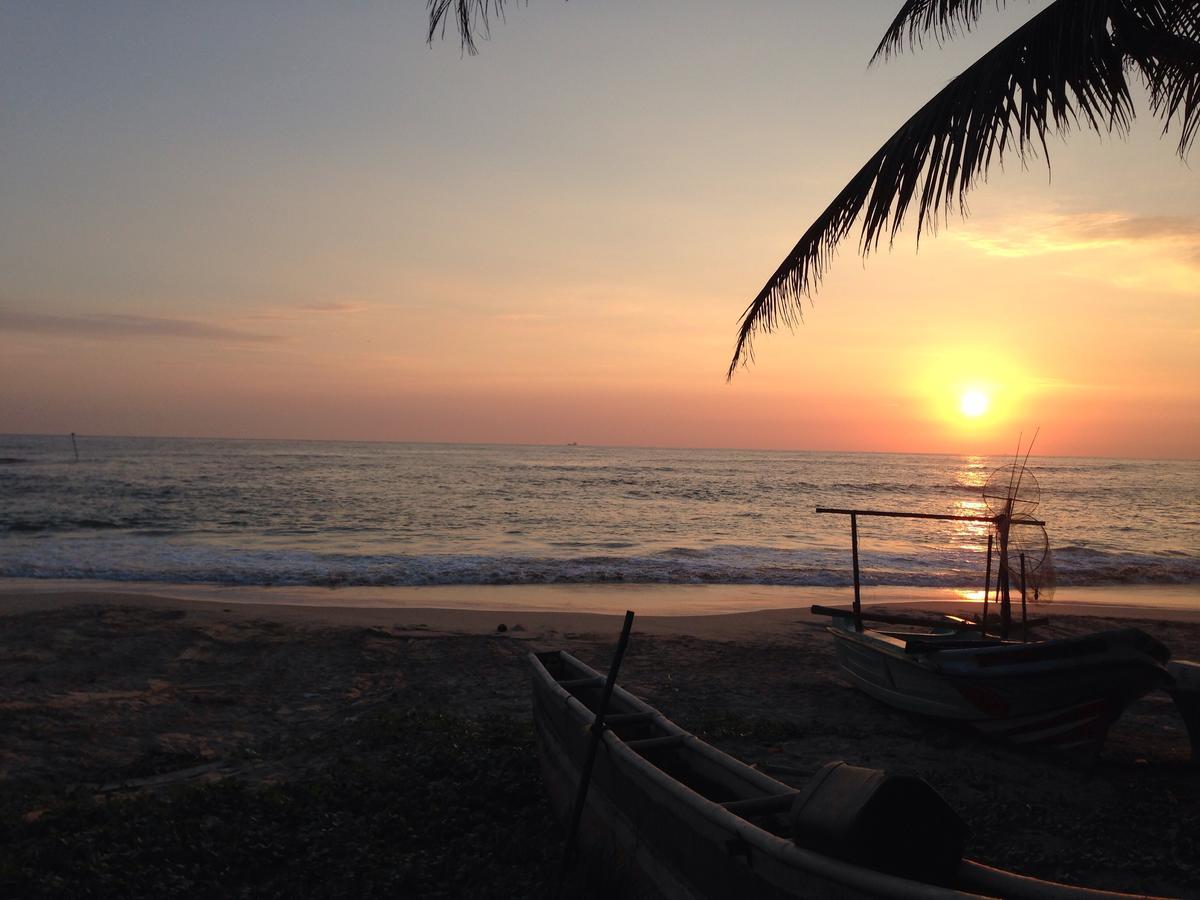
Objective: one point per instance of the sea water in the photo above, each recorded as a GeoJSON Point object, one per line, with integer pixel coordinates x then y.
{"type": "Point", "coordinates": [332, 514]}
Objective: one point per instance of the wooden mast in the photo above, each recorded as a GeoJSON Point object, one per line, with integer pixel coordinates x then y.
{"type": "Point", "coordinates": [1002, 523]}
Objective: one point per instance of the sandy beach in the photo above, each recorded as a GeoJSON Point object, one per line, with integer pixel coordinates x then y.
{"type": "Point", "coordinates": [117, 699]}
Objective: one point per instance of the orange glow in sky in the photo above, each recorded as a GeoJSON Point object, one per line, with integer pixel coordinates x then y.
{"type": "Point", "coordinates": [347, 234]}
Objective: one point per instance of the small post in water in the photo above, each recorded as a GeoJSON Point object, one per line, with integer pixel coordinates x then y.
{"type": "Point", "coordinates": [585, 775]}
{"type": "Point", "coordinates": [75, 446]}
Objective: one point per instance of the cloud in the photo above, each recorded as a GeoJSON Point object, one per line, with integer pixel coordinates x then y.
{"type": "Point", "coordinates": [1047, 233]}
{"type": "Point", "coordinates": [334, 306]}
{"type": "Point", "coordinates": [305, 310]}
{"type": "Point", "coordinates": [120, 326]}
{"type": "Point", "coordinates": [520, 317]}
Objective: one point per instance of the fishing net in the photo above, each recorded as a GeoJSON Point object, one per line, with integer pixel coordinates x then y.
{"type": "Point", "coordinates": [1012, 490]}
{"type": "Point", "coordinates": [1039, 588]}
{"type": "Point", "coordinates": [1029, 545]}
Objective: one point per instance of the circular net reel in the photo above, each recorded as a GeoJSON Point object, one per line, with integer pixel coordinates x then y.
{"type": "Point", "coordinates": [1032, 544]}
{"type": "Point", "coordinates": [1012, 490]}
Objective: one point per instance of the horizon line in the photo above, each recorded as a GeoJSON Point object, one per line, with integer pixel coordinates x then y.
{"type": "Point", "coordinates": [173, 437]}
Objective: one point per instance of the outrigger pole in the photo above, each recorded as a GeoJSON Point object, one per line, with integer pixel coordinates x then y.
{"type": "Point", "coordinates": [585, 775]}
{"type": "Point", "coordinates": [1000, 522]}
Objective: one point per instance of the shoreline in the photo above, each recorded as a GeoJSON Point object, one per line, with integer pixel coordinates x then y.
{"type": "Point", "coordinates": [700, 610]}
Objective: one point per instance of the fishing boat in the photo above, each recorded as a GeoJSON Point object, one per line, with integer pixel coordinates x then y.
{"type": "Point", "coordinates": [668, 815]}
{"type": "Point", "coordinates": [1061, 694]}
{"type": "Point", "coordinates": [1057, 694]}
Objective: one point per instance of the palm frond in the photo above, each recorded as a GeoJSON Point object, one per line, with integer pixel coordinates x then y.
{"type": "Point", "coordinates": [942, 18]}
{"type": "Point", "coordinates": [473, 17]}
{"type": "Point", "coordinates": [1060, 69]}
{"type": "Point", "coordinates": [1163, 41]}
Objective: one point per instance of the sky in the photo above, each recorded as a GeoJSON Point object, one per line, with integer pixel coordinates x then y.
{"type": "Point", "coordinates": [295, 219]}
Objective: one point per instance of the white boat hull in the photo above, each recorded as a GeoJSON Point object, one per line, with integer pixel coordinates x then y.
{"type": "Point", "coordinates": [1062, 695]}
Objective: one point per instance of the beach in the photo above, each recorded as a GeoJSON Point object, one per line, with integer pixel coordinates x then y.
{"type": "Point", "coordinates": [125, 710]}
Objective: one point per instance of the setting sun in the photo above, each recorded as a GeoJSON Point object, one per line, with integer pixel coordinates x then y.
{"type": "Point", "coordinates": [974, 403]}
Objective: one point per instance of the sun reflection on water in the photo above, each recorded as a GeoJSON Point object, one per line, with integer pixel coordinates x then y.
{"type": "Point", "coordinates": [970, 535]}
{"type": "Point", "coordinates": [974, 472]}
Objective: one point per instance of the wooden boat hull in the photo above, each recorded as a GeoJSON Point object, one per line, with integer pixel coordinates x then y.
{"type": "Point", "coordinates": [652, 835]}
{"type": "Point", "coordinates": [1062, 695]}
{"type": "Point", "coordinates": [644, 832]}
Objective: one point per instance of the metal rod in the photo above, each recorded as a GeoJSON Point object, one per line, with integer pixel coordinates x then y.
{"type": "Point", "coordinates": [1024, 612]}
{"type": "Point", "coordinates": [887, 619]}
{"type": "Point", "coordinates": [1002, 578]}
{"type": "Point", "coordinates": [912, 515]}
{"type": "Point", "coordinates": [858, 625]}
{"type": "Point", "coordinates": [987, 578]}
{"type": "Point", "coordinates": [585, 776]}
{"type": "Point", "coordinates": [996, 587]}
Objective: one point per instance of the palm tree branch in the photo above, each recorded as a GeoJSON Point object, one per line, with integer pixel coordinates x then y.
{"type": "Point", "coordinates": [916, 18]}
{"type": "Point", "coordinates": [1165, 45]}
{"type": "Point", "coordinates": [945, 19]}
{"type": "Point", "coordinates": [1058, 69]}
{"type": "Point", "coordinates": [472, 17]}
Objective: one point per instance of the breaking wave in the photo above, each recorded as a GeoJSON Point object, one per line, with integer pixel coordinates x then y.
{"type": "Point", "coordinates": [133, 559]}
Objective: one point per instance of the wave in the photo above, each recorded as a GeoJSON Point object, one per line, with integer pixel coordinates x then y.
{"type": "Point", "coordinates": [1079, 566]}
{"type": "Point", "coordinates": [131, 559]}
{"type": "Point", "coordinates": [57, 525]}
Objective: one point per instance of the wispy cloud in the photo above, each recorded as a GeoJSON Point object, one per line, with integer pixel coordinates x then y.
{"type": "Point", "coordinates": [119, 326]}
{"type": "Point", "coordinates": [520, 317]}
{"type": "Point", "coordinates": [1045, 233]}
{"type": "Point", "coordinates": [340, 306]}
{"type": "Point", "coordinates": [306, 311]}
{"type": "Point", "coordinates": [1136, 253]}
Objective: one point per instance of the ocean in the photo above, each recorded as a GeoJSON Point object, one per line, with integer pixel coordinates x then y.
{"type": "Point", "coordinates": [278, 513]}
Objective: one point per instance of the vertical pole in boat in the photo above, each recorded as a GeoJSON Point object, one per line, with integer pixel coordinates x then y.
{"type": "Point", "coordinates": [1002, 575]}
{"type": "Point", "coordinates": [858, 625]}
{"type": "Point", "coordinates": [585, 776]}
{"type": "Point", "coordinates": [987, 580]}
{"type": "Point", "coordinates": [1024, 612]}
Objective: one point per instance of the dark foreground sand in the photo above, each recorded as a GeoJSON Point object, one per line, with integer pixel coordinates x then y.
{"type": "Point", "coordinates": [154, 746]}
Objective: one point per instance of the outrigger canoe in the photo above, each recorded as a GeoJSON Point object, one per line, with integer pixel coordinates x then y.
{"type": "Point", "coordinates": [668, 815]}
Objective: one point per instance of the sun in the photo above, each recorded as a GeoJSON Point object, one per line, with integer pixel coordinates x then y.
{"type": "Point", "coordinates": [974, 403]}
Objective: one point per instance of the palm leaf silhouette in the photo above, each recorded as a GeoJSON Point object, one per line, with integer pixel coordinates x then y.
{"type": "Point", "coordinates": [1067, 67]}
{"type": "Point", "coordinates": [471, 16]}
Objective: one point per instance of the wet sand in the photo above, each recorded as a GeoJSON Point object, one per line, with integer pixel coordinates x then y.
{"type": "Point", "coordinates": [126, 693]}
{"type": "Point", "coordinates": [1181, 602]}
